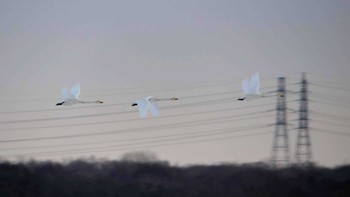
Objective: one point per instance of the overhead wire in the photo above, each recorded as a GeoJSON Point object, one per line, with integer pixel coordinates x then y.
{"type": "Point", "coordinates": [329, 115]}
{"type": "Point", "coordinates": [335, 97]}
{"type": "Point", "coordinates": [120, 104]}
{"type": "Point", "coordinates": [140, 129]}
{"type": "Point", "coordinates": [340, 81]}
{"type": "Point", "coordinates": [172, 125]}
{"type": "Point", "coordinates": [333, 87]}
{"type": "Point", "coordinates": [138, 119]}
{"type": "Point", "coordinates": [114, 148]}
{"type": "Point", "coordinates": [330, 103]}
{"type": "Point", "coordinates": [323, 121]}
{"type": "Point", "coordinates": [111, 113]}
{"type": "Point", "coordinates": [106, 104]}
{"type": "Point", "coordinates": [331, 132]}
{"type": "Point", "coordinates": [30, 139]}
{"type": "Point", "coordinates": [113, 104]}
{"type": "Point", "coordinates": [200, 133]}
{"type": "Point", "coordinates": [143, 91]}
{"type": "Point", "coordinates": [193, 104]}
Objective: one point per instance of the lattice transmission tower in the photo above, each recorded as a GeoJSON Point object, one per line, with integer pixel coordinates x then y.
{"type": "Point", "coordinates": [280, 148]}
{"type": "Point", "coordinates": [303, 154]}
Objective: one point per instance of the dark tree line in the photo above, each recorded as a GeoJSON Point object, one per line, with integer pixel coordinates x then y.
{"type": "Point", "coordinates": [129, 179]}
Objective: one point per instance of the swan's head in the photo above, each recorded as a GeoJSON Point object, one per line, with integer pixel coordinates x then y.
{"type": "Point", "coordinates": [174, 99]}
{"type": "Point", "coordinates": [59, 104]}
{"type": "Point", "coordinates": [99, 101]}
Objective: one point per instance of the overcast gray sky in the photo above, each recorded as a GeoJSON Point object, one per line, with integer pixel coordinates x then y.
{"type": "Point", "coordinates": [198, 51]}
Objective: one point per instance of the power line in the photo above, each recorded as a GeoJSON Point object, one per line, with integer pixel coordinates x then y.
{"type": "Point", "coordinates": [190, 134]}
{"type": "Point", "coordinates": [193, 104]}
{"type": "Point", "coordinates": [145, 141]}
{"type": "Point", "coordinates": [329, 115]}
{"type": "Point", "coordinates": [121, 91]}
{"type": "Point", "coordinates": [114, 113]}
{"type": "Point", "coordinates": [64, 109]}
{"type": "Point", "coordinates": [165, 126]}
{"type": "Point", "coordinates": [328, 93]}
{"type": "Point", "coordinates": [344, 124]}
{"type": "Point", "coordinates": [116, 94]}
{"type": "Point", "coordinates": [330, 86]}
{"type": "Point", "coordinates": [148, 146]}
{"type": "Point", "coordinates": [329, 103]}
{"type": "Point", "coordinates": [341, 80]}
{"type": "Point", "coordinates": [138, 119]}
{"type": "Point", "coordinates": [117, 104]}
{"type": "Point", "coordinates": [331, 132]}
{"type": "Point", "coordinates": [108, 105]}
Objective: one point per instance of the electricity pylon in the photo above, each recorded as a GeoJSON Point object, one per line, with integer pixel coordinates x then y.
{"type": "Point", "coordinates": [280, 148]}
{"type": "Point", "coordinates": [303, 154]}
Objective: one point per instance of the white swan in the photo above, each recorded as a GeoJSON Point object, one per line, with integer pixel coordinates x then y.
{"type": "Point", "coordinates": [72, 97]}
{"type": "Point", "coordinates": [149, 104]}
{"type": "Point", "coordinates": [251, 88]}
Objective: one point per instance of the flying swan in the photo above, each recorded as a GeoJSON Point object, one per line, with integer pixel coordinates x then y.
{"type": "Point", "coordinates": [149, 104]}
{"type": "Point", "coordinates": [72, 97]}
{"type": "Point", "coordinates": [251, 87]}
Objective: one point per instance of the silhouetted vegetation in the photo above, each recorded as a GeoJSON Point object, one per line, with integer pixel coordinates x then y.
{"type": "Point", "coordinates": [125, 178]}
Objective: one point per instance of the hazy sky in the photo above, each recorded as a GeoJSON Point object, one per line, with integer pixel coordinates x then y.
{"type": "Point", "coordinates": [120, 51]}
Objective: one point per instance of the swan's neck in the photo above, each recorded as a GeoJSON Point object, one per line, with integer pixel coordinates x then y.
{"type": "Point", "coordinates": [86, 102]}
{"type": "Point", "coordinates": [163, 99]}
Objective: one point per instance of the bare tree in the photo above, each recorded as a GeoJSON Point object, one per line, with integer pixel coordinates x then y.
{"type": "Point", "coordinates": [140, 157]}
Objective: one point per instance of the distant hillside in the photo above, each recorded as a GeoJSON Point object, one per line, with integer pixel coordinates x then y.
{"type": "Point", "coordinates": [128, 179]}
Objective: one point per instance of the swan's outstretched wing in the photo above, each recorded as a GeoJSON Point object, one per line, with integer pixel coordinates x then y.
{"type": "Point", "coordinates": [246, 87]}
{"type": "Point", "coordinates": [255, 83]}
{"type": "Point", "coordinates": [75, 90]}
{"type": "Point", "coordinates": [154, 109]}
{"type": "Point", "coordinates": [143, 105]}
{"type": "Point", "coordinates": [65, 93]}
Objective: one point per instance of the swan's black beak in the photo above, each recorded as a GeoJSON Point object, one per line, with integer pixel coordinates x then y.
{"type": "Point", "coordinates": [59, 104]}
{"type": "Point", "coordinates": [241, 99]}
{"type": "Point", "coordinates": [134, 104]}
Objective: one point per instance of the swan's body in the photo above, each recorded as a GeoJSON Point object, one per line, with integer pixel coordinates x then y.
{"type": "Point", "coordinates": [149, 104]}
{"type": "Point", "coordinates": [71, 97]}
{"type": "Point", "coordinates": [251, 87]}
